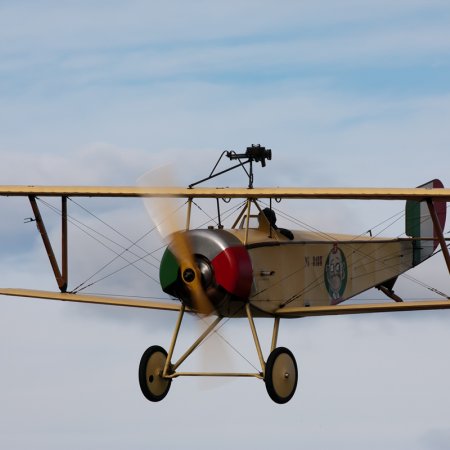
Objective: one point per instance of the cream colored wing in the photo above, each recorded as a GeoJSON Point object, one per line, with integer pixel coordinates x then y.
{"type": "Point", "coordinates": [362, 308]}
{"type": "Point", "coordinates": [418, 194]}
{"type": "Point", "coordinates": [99, 300]}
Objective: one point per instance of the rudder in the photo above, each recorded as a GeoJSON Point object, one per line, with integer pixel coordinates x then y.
{"type": "Point", "coordinates": [419, 223]}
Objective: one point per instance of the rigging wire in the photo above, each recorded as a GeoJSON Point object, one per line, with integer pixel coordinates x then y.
{"type": "Point", "coordinates": [204, 212]}
{"type": "Point", "coordinates": [83, 285]}
{"type": "Point", "coordinates": [316, 283]}
{"type": "Point", "coordinates": [118, 270]}
{"type": "Point", "coordinates": [226, 214]}
{"type": "Point", "coordinates": [219, 327]}
{"type": "Point", "coordinates": [306, 289]}
{"type": "Point", "coordinates": [79, 224]}
{"type": "Point", "coordinates": [76, 223]}
{"type": "Point", "coordinates": [122, 235]}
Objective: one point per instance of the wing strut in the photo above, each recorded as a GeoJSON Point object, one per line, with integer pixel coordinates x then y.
{"type": "Point", "coordinates": [63, 274]}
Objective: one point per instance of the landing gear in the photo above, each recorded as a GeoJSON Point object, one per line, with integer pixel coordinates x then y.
{"type": "Point", "coordinates": [281, 375]}
{"type": "Point", "coordinates": [153, 385]}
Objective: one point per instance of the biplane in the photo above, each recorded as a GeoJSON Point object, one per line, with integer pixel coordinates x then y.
{"type": "Point", "coordinates": [256, 269]}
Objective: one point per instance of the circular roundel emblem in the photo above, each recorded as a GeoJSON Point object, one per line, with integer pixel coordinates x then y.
{"type": "Point", "coordinates": [335, 274]}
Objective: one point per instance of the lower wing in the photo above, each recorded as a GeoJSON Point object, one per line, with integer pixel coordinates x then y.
{"type": "Point", "coordinates": [331, 310]}
{"type": "Point", "coordinates": [99, 300]}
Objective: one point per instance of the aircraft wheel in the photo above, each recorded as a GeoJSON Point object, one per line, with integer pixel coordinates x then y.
{"type": "Point", "coordinates": [281, 375]}
{"type": "Point", "coordinates": [153, 385]}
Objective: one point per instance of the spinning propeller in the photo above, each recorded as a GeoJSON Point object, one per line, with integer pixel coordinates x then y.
{"type": "Point", "coordinates": [164, 213]}
{"type": "Point", "coordinates": [191, 275]}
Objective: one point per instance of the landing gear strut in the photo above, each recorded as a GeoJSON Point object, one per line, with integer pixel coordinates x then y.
{"type": "Point", "coordinates": [279, 373]}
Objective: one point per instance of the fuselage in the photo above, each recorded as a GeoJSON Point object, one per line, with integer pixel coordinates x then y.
{"type": "Point", "coordinates": [315, 270]}
{"type": "Point", "coordinates": [262, 266]}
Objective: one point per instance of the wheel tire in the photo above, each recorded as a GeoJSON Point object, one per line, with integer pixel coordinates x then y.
{"type": "Point", "coordinates": [281, 375]}
{"type": "Point", "coordinates": [153, 385]}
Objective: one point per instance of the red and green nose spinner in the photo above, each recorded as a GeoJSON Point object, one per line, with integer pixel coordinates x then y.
{"type": "Point", "coordinates": [225, 257]}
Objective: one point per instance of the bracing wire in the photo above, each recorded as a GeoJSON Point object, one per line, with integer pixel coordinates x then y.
{"type": "Point", "coordinates": [91, 233]}
{"type": "Point", "coordinates": [317, 282]}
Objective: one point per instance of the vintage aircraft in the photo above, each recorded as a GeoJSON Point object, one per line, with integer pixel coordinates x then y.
{"type": "Point", "coordinates": [255, 269]}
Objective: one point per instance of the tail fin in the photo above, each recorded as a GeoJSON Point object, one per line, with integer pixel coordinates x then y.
{"type": "Point", "coordinates": [419, 224]}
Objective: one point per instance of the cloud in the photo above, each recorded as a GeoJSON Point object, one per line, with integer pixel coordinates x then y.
{"type": "Point", "coordinates": [351, 94]}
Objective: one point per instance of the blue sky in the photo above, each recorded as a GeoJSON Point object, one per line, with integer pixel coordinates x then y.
{"type": "Point", "coordinates": [345, 93]}
{"type": "Point", "coordinates": [75, 68]}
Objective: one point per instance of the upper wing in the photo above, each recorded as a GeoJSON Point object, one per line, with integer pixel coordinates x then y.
{"type": "Point", "coordinates": [418, 194]}
{"type": "Point", "coordinates": [330, 310]}
{"type": "Point", "coordinates": [115, 301]}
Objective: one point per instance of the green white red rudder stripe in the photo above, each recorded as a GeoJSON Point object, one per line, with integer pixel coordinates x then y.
{"type": "Point", "coordinates": [420, 225]}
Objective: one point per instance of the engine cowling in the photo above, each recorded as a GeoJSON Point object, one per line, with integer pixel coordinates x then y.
{"type": "Point", "coordinates": [225, 268]}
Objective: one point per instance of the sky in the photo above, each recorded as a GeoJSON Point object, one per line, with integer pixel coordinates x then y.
{"type": "Point", "coordinates": [345, 93]}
